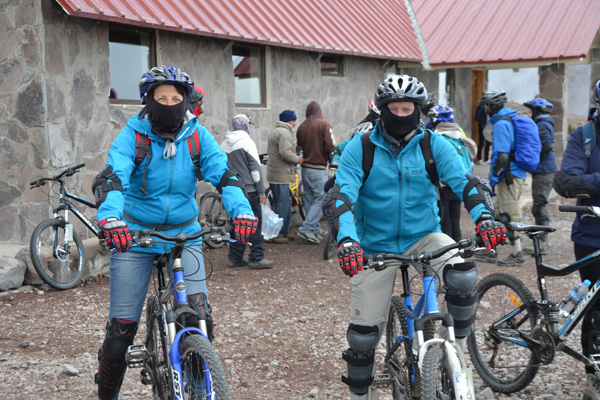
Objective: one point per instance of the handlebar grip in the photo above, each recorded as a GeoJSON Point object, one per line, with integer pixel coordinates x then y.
{"type": "Point", "coordinates": [78, 166]}
{"type": "Point", "coordinates": [581, 209]}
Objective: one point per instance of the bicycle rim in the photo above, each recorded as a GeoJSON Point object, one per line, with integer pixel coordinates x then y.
{"type": "Point", "coordinates": [61, 265]}
{"type": "Point", "coordinates": [404, 375]}
{"type": "Point", "coordinates": [157, 349]}
{"type": "Point", "coordinates": [437, 376]}
{"type": "Point", "coordinates": [505, 366]}
{"type": "Point", "coordinates": [203, 374]}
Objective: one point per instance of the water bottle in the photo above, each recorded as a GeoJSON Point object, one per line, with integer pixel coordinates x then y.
{"type": "Point", "coordinates": [277, 224]}
{"type": "Point", "coordinates": [268, 228]}
{"type": "Point", "coordinates": [569, 303]}
{"type": "Point", "coordinates": [301, 154]}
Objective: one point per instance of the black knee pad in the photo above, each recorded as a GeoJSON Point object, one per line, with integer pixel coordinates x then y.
{"type": "Point", "coordinates": [360, 357]}
{"type": "Point", "coordinates": [197, 302]}
{"type": "Point", "coordinates": [593, 334]}
{"type": "Point", "coordinates": [461, 296]}
{"type": "Point", "coordinates": [505, 219]}
{"type": "Point", "coordinates": [111, 357]}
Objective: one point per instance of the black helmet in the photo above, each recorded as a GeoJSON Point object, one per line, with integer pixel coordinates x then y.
{"type": "Point", "coordinates": [494, 98]}
{"type": "Point", "coordinates": [432, 100]}
{"type": "Point", "coordinates": [400, 88]}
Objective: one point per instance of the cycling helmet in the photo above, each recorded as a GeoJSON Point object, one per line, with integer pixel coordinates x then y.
{"type": "Point", "coordinates": [164, 75]}
{"type": "Point", "coordinates": [542, 105]}
{"type": "Point", "coordinates": [400, 88]}
{"type": "Point", "coordinates": [362, 128]}
{"type": "Point", "coordinates": [494, 98]}
{"type": "Point", "coordinates": [432, 100]}
{"type": "Point", "coordinates": [196, 94]}
{"type": "Point", "coordinates": [373, 108]}
{"type": "Point", "coordinates": [597, 94]}
{"type": "Point", "coordinates": [441, 113]}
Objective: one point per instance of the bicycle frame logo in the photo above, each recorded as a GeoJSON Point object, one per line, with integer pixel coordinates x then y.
{"type": "Point", "coordinates": [176, 384]}
{"type": "Point", "coordinates": [579, 308]}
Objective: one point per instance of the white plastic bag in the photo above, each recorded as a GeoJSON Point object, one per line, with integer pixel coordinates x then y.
{"type": "Point", "coordinates": [271, 223]}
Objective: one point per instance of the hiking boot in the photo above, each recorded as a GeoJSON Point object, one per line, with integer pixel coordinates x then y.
{"type": "Point", "coordinates": [489, 256]}
{"type": "Point", "coordinates": [279, 240]}
{"type": "Point", "coordinates": [239, 263]}
{"type": "Point", "coordinates": [261, 264]}
{"type": "Point", "coordinates": [592, 388]}
{"type": "Point", "coordinates": [512, 260]}
{"type": "Point", "coordinates": [290, 237]}
{"type": "Point", "coordinates": [309, 236]}
{"type": "Point", "coordinates": [544, 247]}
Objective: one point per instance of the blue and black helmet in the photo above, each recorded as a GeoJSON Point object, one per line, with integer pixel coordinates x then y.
{"type": "Point", "coordinates": [441, 113]}
{"type": "Point", "coordinates": [597, 94]}
{"type": "Point", "coordinates": [542, 105]}
{"type": "Point", "coordinates": [164, 75]}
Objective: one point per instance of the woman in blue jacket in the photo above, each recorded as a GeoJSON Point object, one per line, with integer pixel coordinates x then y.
{"type": "Point", "coordinates": [395, 211]}
{"type": "Point", "coordinates": [158, 194]}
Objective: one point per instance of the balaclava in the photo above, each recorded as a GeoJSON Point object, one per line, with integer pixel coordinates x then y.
{"type": "Point", "coordinates": [398, 127]}
{"type": "Point", "coordinates": [166, 121]}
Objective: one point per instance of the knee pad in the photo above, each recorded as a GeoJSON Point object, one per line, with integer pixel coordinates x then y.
{"type": "Point", "coordinates": [593, 334]}
{"type": "Point", "coordinates": [360, 357]}
{"type": "Point", "coordinates": [198, 301]}
{"type": "Point", "coordinates": [461, 296]}
{"type": "Point", "coordinates": [111, 357]}
{"type": "Point", "coordinates": [505, 219]}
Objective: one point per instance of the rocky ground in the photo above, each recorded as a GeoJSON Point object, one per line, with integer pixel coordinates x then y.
{"type": "Point", "coordinates": [280, 332]}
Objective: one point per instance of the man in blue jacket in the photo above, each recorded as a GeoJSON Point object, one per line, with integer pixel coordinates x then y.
{"type": "Point", "coordinates": [395, 211]}
{"type": "Point", "coordinates": [579, 177]}
{"type": "Point", "coordinates": [541, 185]}
{"type": "Point", "coordinates": [505, 176]}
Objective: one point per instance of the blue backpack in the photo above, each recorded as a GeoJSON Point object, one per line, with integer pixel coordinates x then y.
{"type": "Point", "coordinates": [528, 146]}
{"type": "Point", "coordinates": [462, 151]}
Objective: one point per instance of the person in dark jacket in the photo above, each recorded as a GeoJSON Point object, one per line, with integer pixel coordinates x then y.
{"type": "Point", "coordinates": [542, 177]}
{"type": "Point", "coordinates": [579, 177]}
{"type": "Point", "coordinates": [483, 148]}
{"type": "Point", "coordinates": [315, 138]}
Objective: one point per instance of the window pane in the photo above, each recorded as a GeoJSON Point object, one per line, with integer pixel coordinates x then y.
{"type": "Point", "coordinates": [331, 65]}
{"type": "Point", "coordinates": [248, 72]}
{"type": "Point", "coordinates": [130, 57]}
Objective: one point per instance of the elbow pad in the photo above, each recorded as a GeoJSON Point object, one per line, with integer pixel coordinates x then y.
{"type": "Point", "coordinates": [103, 183]}
{"type": "Point", "coordinates": [572, 186]}
{"type": "Point", "coordinates": [331, 212]}
{"type": "Point", "coordinates": [501, 164]}
{"type": "Point", "coordinates": [483, 195]}
{"type": "Point", "coordinates": [227, 180]}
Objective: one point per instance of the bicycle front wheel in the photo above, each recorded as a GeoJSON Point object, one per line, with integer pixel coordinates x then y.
{"type": "Point", "coordinates": [498, 352]}
{"type": "Point", "coordinates": [437, 376]}
{"type": "Point", "coordinates": [404, 374]}
{"type": "Point", "coordinates": [157, 366]}
{"type": "Point", "coordinates": [60, 263]}
{"type": "Point", "coordinates": [212, 213]}
{"type": "Point", "coordinates": [203, 374]}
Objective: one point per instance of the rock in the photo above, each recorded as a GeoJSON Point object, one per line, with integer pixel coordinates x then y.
{"type": "Point", "coordinates": [12, 273]}
{"type": "Point", "coordinates": [313, 393]}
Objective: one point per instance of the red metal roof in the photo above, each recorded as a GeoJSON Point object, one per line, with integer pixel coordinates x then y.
{"type": "Point", "coordinates": [326, 26]}
{"type": "Point", "coordinates": [494, 31]}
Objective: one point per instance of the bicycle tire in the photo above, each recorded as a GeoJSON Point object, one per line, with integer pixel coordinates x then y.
{"type": "Point", "coordinates": [45, 248]}
{"type": "Point", "coordinates": [400, 364]}
{"type": "Point", "coordinates": [300, 201]}
{"type": "Point", "coordinates": [196, 351]}
{"type": "Point", "coordinates": [512, 367]}
{"type": "Point", "coordinates": [212, 213]}
{"type": "Point", "coordinates": [157, 350]}
{"type": "Point", "coordinates": [330, 246]}
{"type": "Point", "coordinates": [436, 376]}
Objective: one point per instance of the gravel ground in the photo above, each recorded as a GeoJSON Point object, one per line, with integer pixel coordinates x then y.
{"type": "Point", "coordinates": [280, 332]}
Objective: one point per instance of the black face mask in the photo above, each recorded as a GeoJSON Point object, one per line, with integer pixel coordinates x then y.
{"type": "Point", "coordinates": [166, 121]}
{"type": "Point", "coordinates": [399, 127]}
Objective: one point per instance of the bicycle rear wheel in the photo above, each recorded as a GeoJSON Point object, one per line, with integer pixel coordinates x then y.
{"type": "Point", "coordinates": [60, 264]}
{"type": "Point", "coordinates": [498, 352]}
{"type": "Point", "coordinates": [203, 374]}
{"type": "Point", "coordinates": [437, 376]}
{"type": "Point", "coordinates": [157, 349]}
{"type": "Point", "coordinates": [212, 213]}
{"type": "Point", "coordinates": [330, 246]}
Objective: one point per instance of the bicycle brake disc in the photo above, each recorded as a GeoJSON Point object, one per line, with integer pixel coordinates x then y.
{"type": "Point", "coordinates": [545, 355]}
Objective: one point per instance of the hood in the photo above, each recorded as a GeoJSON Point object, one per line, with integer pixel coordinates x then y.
{"type": "Point", "coordinates": [450, 129]}
{"type": "Point", "coordinates": [313, 110]}
{"type": "Point", "coordinates": [232, 137]}
{"type": "Point", "coordinates": [546, 118]}
{"type": "Point", "coordinates": [505, 112]}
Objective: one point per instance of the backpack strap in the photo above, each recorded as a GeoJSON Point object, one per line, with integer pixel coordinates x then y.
{"type": "Point", "coordinates": [194, 148]}
{"type": "Point", "coordinates": [368, 152]}
{"type": "Point", "coordinates": [589, 138]}
{"type": "Point", "coordinates": [142, 149]}
{"type": "Point", "coordinates": [430, 167]}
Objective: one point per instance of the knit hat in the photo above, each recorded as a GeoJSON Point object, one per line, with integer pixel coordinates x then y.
{"type": "Point", "coordinates": [241, 122]}
{"type": "Point", "coordinates": [287, 116]}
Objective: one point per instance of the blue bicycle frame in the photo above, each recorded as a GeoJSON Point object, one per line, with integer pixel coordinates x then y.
{"type": "Point", "coordinates": [427, 303]}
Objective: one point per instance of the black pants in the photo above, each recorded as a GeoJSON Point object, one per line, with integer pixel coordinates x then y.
{"type": "Point", "coordinates": [590, 326]}
{"type": "Point", "coordinates": [257, 250]}
{"type": "Point", "coordinates": [541, 187]}
{"type": "Point", "coordinates": [451, 217]}
{"type": "Point", "coordinates": [480, 146]}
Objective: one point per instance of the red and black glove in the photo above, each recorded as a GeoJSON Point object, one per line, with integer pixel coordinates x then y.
{"type": "Point", "coordinates": [350, 256]}
{"type": "Point", "coordinates": [244, 228]}
{"type": "Point", "coordinates": [493, 233]}
{"type": "Point", "coordinates": [117, 234]}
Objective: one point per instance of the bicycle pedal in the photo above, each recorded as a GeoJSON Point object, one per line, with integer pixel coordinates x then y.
{"type": "Point", "coordinates": [595, 358]}
{"type": "Point", "coordinates": [381, 380]}
{"type": "Point", "coordinates": [136, 355]}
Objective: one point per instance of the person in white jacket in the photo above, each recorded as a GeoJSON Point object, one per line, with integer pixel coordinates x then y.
{"type": "Point", "coordinates": [242, 157]}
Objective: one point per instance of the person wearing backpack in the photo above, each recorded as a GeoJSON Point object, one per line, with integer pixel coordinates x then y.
{"type": "Point", "coordinates": [158, 194]}
{"type": "Point", "coordinates": [579, 178]}
{"type": "Point", "coordinates": [505, 176]}
{"type": "Point", "coordinates": [442, 119]}
{"type": "Point", "coordinates": [394, 210]}
{"type": "Point", "coordinates": [542, 177]}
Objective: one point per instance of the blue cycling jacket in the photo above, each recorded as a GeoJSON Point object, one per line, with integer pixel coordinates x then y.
{"type": "Point", "coordinates": [171, 180]}
{"type": "Point", "coordinates": [545, 124]}
{"type": "Point", "coordinates": [397, 205]}
{"type": "Point", "coordinates": [584, 232]}
{"type": "Point", "coordinates": [503, 141]}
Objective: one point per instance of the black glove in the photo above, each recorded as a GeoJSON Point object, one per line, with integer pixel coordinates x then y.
{"type": "Point", "coordinates": [244, 227]}
{"type": "Point", "coordinates": [117, 234]}
{"type": "Point", "coordinates": [350, 256]}
{"type": "Point", "coordinates": [493, 233]}
{"type": "Point", "coordinates": [572, 186]}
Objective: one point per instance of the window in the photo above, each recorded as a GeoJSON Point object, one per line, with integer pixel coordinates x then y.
{"type": "Point", "coordinates": [332, 65]}
{"type": "Point", "coordinates": [249, 72]}
{"type": "Point", "coordinates": [131, 54]}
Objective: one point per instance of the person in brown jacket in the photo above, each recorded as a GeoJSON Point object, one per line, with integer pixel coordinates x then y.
{"type": "Point", "coordinates": [315, 138]}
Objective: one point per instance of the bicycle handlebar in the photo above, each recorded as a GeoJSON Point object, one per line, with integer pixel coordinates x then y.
{"type": "Point", "coordinates": [588, 211]}
{"type": "Point", "coordinates": [67, 172]}
{"type": "Point", "coordinates": [144, 238]}
{"type": "Point", "coordinates": [380, 261]}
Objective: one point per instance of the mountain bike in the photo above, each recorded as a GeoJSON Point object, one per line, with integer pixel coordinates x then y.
{"type": "Point", "coordinates": [296, 191]}
{"type": "Point", "coordinates": [417, 364]}
{"type": "Point", "coordinates": [56, 249]}
{"type": "Point", "coordinates": [211, 213]}
{"type": "Point", "coordinates": [514, 334]}
{"type": "Point", "coordinates": [180, 363]}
